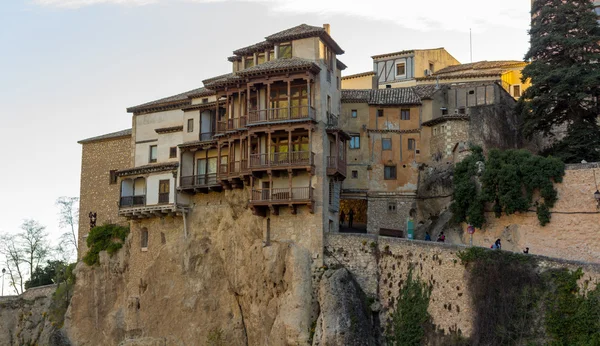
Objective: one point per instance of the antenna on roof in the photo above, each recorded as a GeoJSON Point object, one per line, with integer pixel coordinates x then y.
{"type": "Point", "coordinates": [471, 44]}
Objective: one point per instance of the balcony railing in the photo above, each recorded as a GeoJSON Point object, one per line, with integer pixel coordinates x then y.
{"type": "Point", "coordinates": [294, 158]}
{"type": "Point", "coordinates": [132, 201]}
{"type": "Point", "coordinates": [282, 194]}
{"type": "Point", "coordinates": [281, 114]}
{"type": "Point", "coordinates": [163, 197]}
{"type": "Point", "coordinates": [335, 163]}
{"type": "Point", "coordinates": [231, 124]}
{"type": "Point", "coordinates": [202, 180]}
{"type": "Point", "coordinates": [223, 169]}
{"type": "Point", "coordinates": [206, 136]}
{"type": "Point", "coordinates": [332, 120]}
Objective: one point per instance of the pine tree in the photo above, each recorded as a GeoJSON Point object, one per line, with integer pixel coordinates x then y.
{"type": "Point", "coordinates": [565, 77]}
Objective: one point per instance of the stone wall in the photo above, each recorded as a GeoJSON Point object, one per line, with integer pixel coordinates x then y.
{"type": "Point", "coordinates": [97, 194]}
{"type": "Point", "coordinates": [389, 211]}
{"type": "Point", "coordinates": [381, 264]}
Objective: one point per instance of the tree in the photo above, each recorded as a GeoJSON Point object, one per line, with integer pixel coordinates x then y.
{"type": "Point", "coordinates": [13, 261]}
{"type": "Point", "coordinates": [46, 275]}
{"type": "Point", "coordinates": [68, 218]}
{"type": "Point", "coordinates": [33, 244]}
{"type": "Point", "coordinates": [565, 77]}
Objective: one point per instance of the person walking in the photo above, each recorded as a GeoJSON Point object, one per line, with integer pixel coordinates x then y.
{"type": "Point", "coordinates": [342, 218]}
{"type": "Point", "coordinates": [350, 218]}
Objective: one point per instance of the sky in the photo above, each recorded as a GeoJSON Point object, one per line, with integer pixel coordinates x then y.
{"type": "Point", "coordinates": [70, 68]}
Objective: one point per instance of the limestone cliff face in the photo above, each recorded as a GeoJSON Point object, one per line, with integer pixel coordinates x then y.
{"type": "Point", "coordinates": [218, 285]}
{"type": "Point", "coordinates": [24, 319]}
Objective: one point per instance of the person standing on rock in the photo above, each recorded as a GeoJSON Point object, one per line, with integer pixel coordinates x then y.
{"type": "Point", "coordinates": [350, 218]}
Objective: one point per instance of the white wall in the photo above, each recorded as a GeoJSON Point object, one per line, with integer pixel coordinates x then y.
{"type": "Point", "coordinates": [152, 182]}
{"type": "Point", "coordinates": [145, 130]}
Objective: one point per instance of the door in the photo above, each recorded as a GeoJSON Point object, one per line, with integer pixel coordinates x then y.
{"type": "Point", "coordinates": [201, 172]}
{"type": "Point", "coordinates": [164, 189]}
{"type": "Point", "coordinates": [265, 191]}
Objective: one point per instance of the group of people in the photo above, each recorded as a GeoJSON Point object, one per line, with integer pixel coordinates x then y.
{"type": "Point", "coordinates": [441, 237]}
{"type": "Point", "coordinates": [350, 218]}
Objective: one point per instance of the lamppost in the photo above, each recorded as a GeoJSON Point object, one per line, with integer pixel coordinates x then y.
{"type": "Point", "coordinates": [3, 271]}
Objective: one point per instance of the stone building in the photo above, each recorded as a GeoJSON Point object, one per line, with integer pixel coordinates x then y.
{"type": "Point", "coordinates": [393, 131]}
{"type": "Point", "coordinates": [266, 134]}
{"type": "Point", "coordinates": [101, 158]}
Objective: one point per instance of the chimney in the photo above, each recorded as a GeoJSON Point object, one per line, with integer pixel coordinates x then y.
{"type": "Point", "coordinates": [327, 28]}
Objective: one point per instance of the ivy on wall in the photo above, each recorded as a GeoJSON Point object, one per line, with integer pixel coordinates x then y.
{"type": "Point", "coordinates": [509, 180]}
{"type": "Point", "coordinates": [107, 238]}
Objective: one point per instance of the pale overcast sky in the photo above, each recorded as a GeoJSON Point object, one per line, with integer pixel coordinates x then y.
{"type": "Point", "coordinates": [69, 68]}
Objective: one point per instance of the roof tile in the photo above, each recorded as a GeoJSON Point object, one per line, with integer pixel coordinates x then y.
{"type": "Point", "coordinates": [112, 135]}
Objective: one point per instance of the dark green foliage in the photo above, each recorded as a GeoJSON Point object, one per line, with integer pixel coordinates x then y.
{"type": "Point", "coordinates": [410, 318]}
{"type": "Point", "coordinates": [516, 305]}
{"type": "Point", "coordinates": [108, 237]}
{"type": "Point", "coordinates": [44, 275]}
{"type": "Point", "coordinates": [571, 318]}
{"type": "Point", "coordinates": [509, 182]}
{"type": "Point", "coordinates": [62, 296]}
{"type": "Point", "coordinates": [467, 206]}
{"type": "Point", "coordinates": [565, 77]}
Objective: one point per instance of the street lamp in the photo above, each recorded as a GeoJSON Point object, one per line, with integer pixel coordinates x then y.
{"type": "Point", "coordinates": [3, 271]}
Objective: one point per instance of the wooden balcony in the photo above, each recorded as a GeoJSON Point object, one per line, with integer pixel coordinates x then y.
{"type": "Point", "coordinates": [332, 120]}
{"type": "Point", "coordinates": [287, 160]}
{"type": "Point", "coordinates": [273, 198]}
{"type": "Point", "coordinates": [132, 201]}
{"type": "Point", "coordinates": [206, 136]}
{"type": "Point", "coordinates": [232, 124]}
{"type": "Point", "coordinates": [200, 183]}
{"type": "Point", "coordinates": [336, 167]}
{"type": "Point", "coordinates": [277, 115]}
{"type": "Point", "coordinates": [135, 207]}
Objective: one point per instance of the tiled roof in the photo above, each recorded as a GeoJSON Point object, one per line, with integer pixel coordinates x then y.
{"type": "Point", "coordinates": [382, 97]}
{"type": "Point", "coordinates": [444, 118]}
{"type": "Point", "coordinates": [358, 75]}
{"type": "Point", "coordinates": [221, 80]}
{"type": "Point", "coordinates": [304, 31]}
{"type": "Point", "coordinates": [402, 52]}
{"type": "Point", "coordinates": [201, 92]}
{"type": "Point", "coordinates": [280, 65]}
{"type": "Point", "coordinates": [426, 91]}
{"type": "Point", "coordinates": [356, 96]}
{"type": "Point", "coordinates": [183, 97]}
{"type": "Point", "coordinates": [394, 96]}
{"type": "Point", "coordinates": [257, 47]}
{"type": "Point", "coordinates": [112, 135]}
{"type": "Point", "coordinates": [482, 65]}
{"type": "Point", "coordinates": [464, 75]}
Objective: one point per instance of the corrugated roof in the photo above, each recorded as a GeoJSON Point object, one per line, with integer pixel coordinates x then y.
{"type": "Point", "coordinates": [482, 65]}
{"type": "Point", "coordinates": [182, 98]}
{"type": "Point", "coordinates": [112, 135]}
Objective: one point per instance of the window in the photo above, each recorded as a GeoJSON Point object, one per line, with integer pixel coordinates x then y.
{"type": "Point", "coordinates": [172, 152]}
{"type": "Point", "coordinates": [354, 174]}
{"type": "Point", "coordinates": [444, 111]}
{"type": "Point", "coordinates": [144, 238]}
{"type": "Point", "coordinates": [431, 67]}
{"type": "Point", "coordinates": [271, 54]}
{"type": "Point", "coordinates": [443, 129]}
{"type": "Point", "coordinates": [205, 100]}
{"type": "Point", "coordinates": [435, 131]}
{"type": "Point", "coordinates": [400, 69]}
{"type": "Point", "coordinates": [261, 58]}
{"type": "Point", "coordinates": [153, 153]}
{"type": "Point", "coordinates": [411, 144]}
{"type": "Point", "coordinates": [190, 125]}
{"type": "Point", "coordinates": [354, 142]}
{"type": "Point", "coordinates": [164, 187]}
{"type": "Point", "coordinates": [380, 112]}
{"type": "Point", "coordinates": [285, 51]}
{"type": "Point", "coordinates": [389, 172]}
{"type": "Point", "coordinates": [405, 114]}
{"type": "Point", "coordinates": [113, 177]}
{"type": "Point", "coordinates": [386, 144]}
{"type": "Point", "coordinates": [331, 187]}
{"type": "Point", "coordinates": [337, 82]}
{"type": "Point", "coordinates": [354, 113]}
{"type": "Point", "coordinates": [391, 206]}
{"type": "Point", "coordinates": [517, 91]}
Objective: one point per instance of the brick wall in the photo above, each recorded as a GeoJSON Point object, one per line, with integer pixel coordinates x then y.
{"type": "Point", "coordinates": [97, 194]}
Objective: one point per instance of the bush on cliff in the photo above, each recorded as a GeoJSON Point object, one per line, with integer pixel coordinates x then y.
{"type": "Point", "coordinates": [509, 181]}
{"type": "Point", "coordinates": [107, 238]}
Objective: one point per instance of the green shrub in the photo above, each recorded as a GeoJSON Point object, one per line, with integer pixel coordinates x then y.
{"type": "Point", "coordinates": [509, 181]}
{"type": "Point", "coordinates": [62, 296]}
{"type": "Point", "coordinates": [109, 237]}
{"type": "Point", "coordinates": [410, 319]}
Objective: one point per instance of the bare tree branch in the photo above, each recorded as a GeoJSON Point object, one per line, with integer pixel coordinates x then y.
{"type": "Point", "coordinates": [69, 218]}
